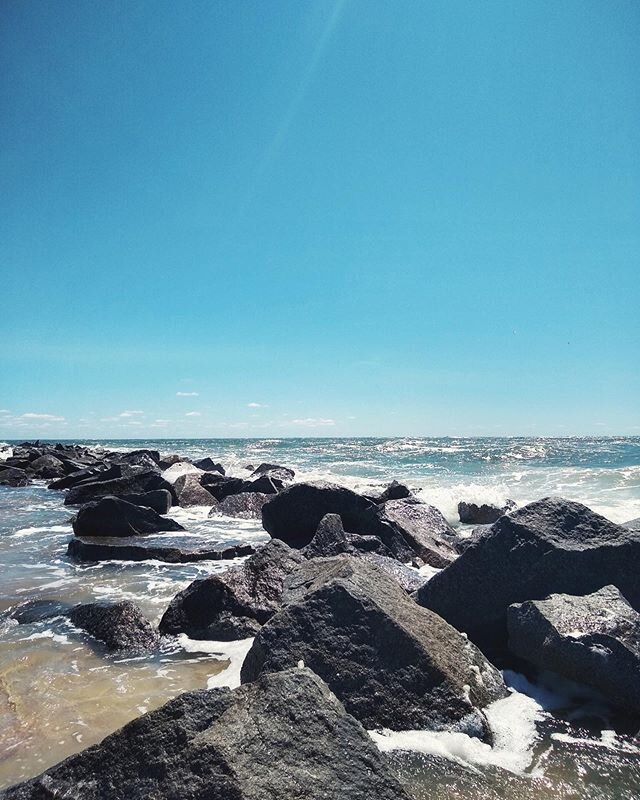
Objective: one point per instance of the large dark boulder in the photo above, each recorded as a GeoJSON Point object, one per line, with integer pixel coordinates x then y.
{"type": "Point", "coordinates": [392, 663]}
{"type": "Point", "coordinates": [159, 500]}
{"type": "Point", "coordinates": [121, 627]}
{"type": "Point", "coordinates": [209, 465]}
{"type": "Point", "coordinates": [92, 550]}
{"type": "Point", "coordinates": [138, 483]}
{"type": "Point", "coordinates": [12, 476]}
{"type": "Point", "coordinates": [484, 514]}
{"type": "Point", "coordinates": [112, 516]}
{"type": "Point", "coordinates": [593, 640]}
{"type": "Point", "coordinates": [191, 492]}
{"type": "Point", "coordinates": [47, 466]}
{"type": "Point", "coordinates": [410, 528]}
{"type": "Point", "coordinates": [284, 737]}
{"type": "Point", "coordinates": [234, 604]}
{"type": "Point", "coordinates": [87, 475]}
{"type": "Point", "coordinates": [274, 471]}
{"type": "Point", "coordinates": [221, 486]}
{"type": "Point", "coordinates": [294, 514]}
{"type": "Point", "coordinates": [246, 505]}
{"type": "Point", "coordinates": [149, 459]}
{"type": "Point", "coordinates": [264, 484]}
{"type": "Point", "coordinates": [546, 547]}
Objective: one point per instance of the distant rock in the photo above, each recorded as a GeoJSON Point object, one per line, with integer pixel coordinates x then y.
{"type": "Point", "coordinates": [274, 471]}
{"type": "Point", "coordinates": [167, 461]}
{"type": "Point", "coordinates": [392, 663]}
{"type": "Point", "coordinates": [632, 524]}
{"type": "Point", "coordinates": [485, 514]}
{"type": "Point", "coordinates": [159, 500]}
{"type": "Point", "coordinates": [546, 547]}
{"type": "Point", "coordinates": [209, 465]}
{"type": "Point", "coordinates": [593, 640]}
{"type": "Point", "coordinates": [11, 476]}
{"type": "Point", "coordinates": [138, 483]}
{"type": "Point", "coordinates": [246, 505]}
{"type": "Point", "coordinates": [284, 736]}
{"type": "Point", "coordinates": [394, 491]}
{"type": "Point", "coordinates": [293, 515]}
{"type": "Point", "coordinates": [190, 492]}
{"type": "Point", "coordinates": [122, 627]}
{"type": "Point", "coordinates": [90, 550]}
{"type": "Point", "coordinates": [145, 459]}
{"type": "Point", "coordinates": [112, 516]}
{"type": "Point", "coordinates": [235, 603]}
{"type": "Point", "coordinates": [47, 467]}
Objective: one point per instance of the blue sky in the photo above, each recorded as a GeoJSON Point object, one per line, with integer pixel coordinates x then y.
{"type": "Point", "coordinates": [323, 218]}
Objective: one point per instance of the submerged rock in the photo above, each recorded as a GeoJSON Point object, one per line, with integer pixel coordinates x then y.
{"type": "Point", "coordinates": [190, 492]}
{"type": "Point", "coordinates": [122, 627]}
{"type": "Point", "coordinates": [37, 610]}
{"type": "Point", "coordinates": [246, 505]}
{"type": "Point", "coordinates": [117, 550]}
{"type": "Point", "coordinates": [485, 514]}
{"type": "Point", "coordinates": [284, 737]}
{"type": "Point", "coordinates": [293, 515]}
{"type": "Point", "coordinates": [392, 663]}
{"type": "Point", "coordinates": [234, 604]}
{"type": "Point", "coordinates": [112, 516]}
{"type": "Point", "coordinates": [593, 640]}
{"type": "Point", "coordinates": [550, 546]}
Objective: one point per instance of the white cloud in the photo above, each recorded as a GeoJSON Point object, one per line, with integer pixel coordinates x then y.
{"type": "Point", "coordinates": [42, 417]}
{"type": "Point", "coordinates": [256, 405]}
{"type": "Point", "coordinates": [131, 413]}
{"type": "Point", "coordinates": [187, 394]}
{"type": "Point", "coordinates": [161, 421]}
{"type": "Point", "coordinates": [314, 422]}
{"type": "Point", "coordinates": [4, 411]}
{"type": "Point", "coordinates": [193, 414]}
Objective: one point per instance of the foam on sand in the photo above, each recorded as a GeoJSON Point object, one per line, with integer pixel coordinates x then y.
{"type": "Point", "coordinates": [233, 652]}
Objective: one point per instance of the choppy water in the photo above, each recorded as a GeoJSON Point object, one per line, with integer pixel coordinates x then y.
{"type": "Point", "coordinates": [58, 694]}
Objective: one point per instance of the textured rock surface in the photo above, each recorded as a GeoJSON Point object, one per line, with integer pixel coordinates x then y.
{"type": "Point", "coordinates": [112, 516]}
{"type": "Point", "coordinates": [190, 492]}
{"type": "Point", "coordinates": [209, 465]}
{"type": "Point", "coordinates": [274, 471]}
{"type": "Point", "coordinates": [234, 604]}
{"type": "Point", "coordinates": [392, 663]}
{"type": "Point", "coordinates": [122, 627]}
{"type": "Point", "coordinates": [285, 737]}
{"type": "Point", "coordinates": [246, 505]}
{"type": "Point", "coordinates": [593, 640]}
{"type": "Point", "coordinates": [550, 546]}
{"type": "Point", "coordinates": [47, 466]}
{"type": "Point", "coordinates": [484, 514]}
{"type": "Point", "coordinates": [294, 514]}
{"type": "Point", "coordinates": [116, 549]}
{"type": "Point", "coordinates": [160, 500]}
{"type": "Point", "coordinates": [632, 524]}
{"type": "Point", "coordinates": [138, 483]}
{"type": "Point", "coordinates": [12, 476]}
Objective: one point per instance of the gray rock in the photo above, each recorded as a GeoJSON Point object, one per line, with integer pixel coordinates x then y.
{"type": "Point", "coordinates": [265, 484]}
{"type": "Point", "coordinates": [632, 524]}
{"type": "Point", "coordinates": [47, 466]}
{"type": "Point", "coordinates": [392, 663]}
{"type": "Point", "coordinates": [274, 471]}
{"type": "Point", "coordinates": [159, 500]}
{"type": "Point", "coordinates": [90, 550]}
{"type": "Point", "coordinates": [122, 627]}
{"type": "Point", "coordinates": [550, 546]}
{"type": "Point", "coordinates": [138, 483]}
{"type": "Point", "coordinates": [246, 505]}
{"type": "Point", "coordinates": [394, 491]}
{"type": "Point", "coordinates": [485, 514]}
{"type": "Point", "coordinates": [293, 515]}
{"type": "Point", "coordinates": [329, 539]}
{"type": "Point", "coordinates": [284, 737]}
{"type": "Point", "coordinates": [234, 604]}
{"type": "Point", "coordinates": [112, 516]}
{"type": "Point", "coordinates": [12, 476]}
{"type": "Point", "coordinates": [209, 465]}
{"type": "Point", "coordinates": [409, 578]}
{"type": "Point", "coordinates": [190, 492]}
{"type": "Point", "coordinates": [593, 640]}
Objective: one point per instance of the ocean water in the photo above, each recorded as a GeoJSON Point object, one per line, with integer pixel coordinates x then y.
{"type": "Point", "coordinates": [59, 693]}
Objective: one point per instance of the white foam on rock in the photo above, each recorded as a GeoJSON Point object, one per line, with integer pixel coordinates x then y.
{"type": "Point", "coordinates": [234, 652]}
{"type": "Point", "coordinates": [176, 471]}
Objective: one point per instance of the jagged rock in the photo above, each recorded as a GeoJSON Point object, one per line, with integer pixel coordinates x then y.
{"type": "Point", "coordinates": [85, 475]}
{"type": "Point", "coordinates": [179, 469]}
{"type": "Point", "coordinates": [410, 579]}
{"type": "Point", "coordinates": [169, 460]}
{"type": "Point", "coordinates": [145, 459]}
{"type": "Point", "coordinates": [112, 516]}
{"type": "Point", "coordinates": [485, 514]}
{"type": "Point", "coordinates": [139, 483]}
{"type": "Point", "coordinates": [47, 466]}
{"type": "Point", "coordinates": [11, 476]}
{"type": "Point", "coordinates": [394, 491]}
{"type": "Point", "coordinates": [190, 492]}
{"type": "Point", "coordinates": [265, 484]}
{"type": "Point", "coordinates": [392, 663]}
{"type": "Point", "coordinates": [632, 524]}
{"type": "Point", "coordinates": [284, 737]}
{"type": "Point", "coordinates": [209, 465]}
{"type": "Point", "coordinates": [462, 543]}
{"type": "Point", "coordinates": [234, 604]}
{"type": "Point", "coordinates": [113, 550]}
{"type": "Point", "coordinates": [593, 640]}
{"type": "Point", "coordinates": [159, 500]}
{"type": "Point", "coordinates": [120, 626]}
{"type": "Point", "coordinates": [246, 505]}
{"type": "Point", "coordinates": [329, 539]}
{"type": "Point", "coordinates": [546, 547]}
{"type": "Point", "coordinates": [293, 515]}
{"type": "Point", "coordinates": [221, 486]}
{"type": "Point", "coordinates": [274, 471]}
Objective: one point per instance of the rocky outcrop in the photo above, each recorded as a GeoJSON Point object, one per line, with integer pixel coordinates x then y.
{"type": "Point", "coordinates": [47, 466]}
{"type": "Point", "coordinates": [221, 486]}
{"type": "Point", "coordinates": [284, 474]}
{"type": "Point", "coordinates": [284, 736]}
{"type": "Point", "coordinates": [121, 627]}
{"type": "Point", "coordinates": [112, 516]}
{"type": "Point", "coordinates": [12, 476]}
{"type": "Point", "coordinates": [87, 475]}
{"type": "Point", "coordinates": [632, 524]}
{"type": "Point", "coordinates": [138, 483]}
{"type": "Point", "coordinates": [593, 640]}
{"type": "Point", "coordinates": [209, 465]}
{"type": "Point", "coordinates": [235, 603]}
{"type": "Point", "coordinates": [293, 515]}
{"type": "Point", "coordinates": [159, 500]}
{"type": "Point", "coordinates": [90, 550]}
{"type": "Point", "coordinates": [191, 492]}
{"type": "Point", "coordinates": [408, 577]}
{"type": "Point", "coordinates": [392, 663]}
{"type": "Point", "coordinates": [546, 547]}
{"type": "Point", "coordinates": [246, 505]}
{"type": "Point", "coordinates": [179, 469]}
{"type": "Point", "coordinates": [394, 491]}
{"type": "Point", "coordinates": [484, 514]}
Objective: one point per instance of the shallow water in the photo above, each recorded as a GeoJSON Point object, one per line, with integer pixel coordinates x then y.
{"type": "Point", "coordinates": [59, 693]}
